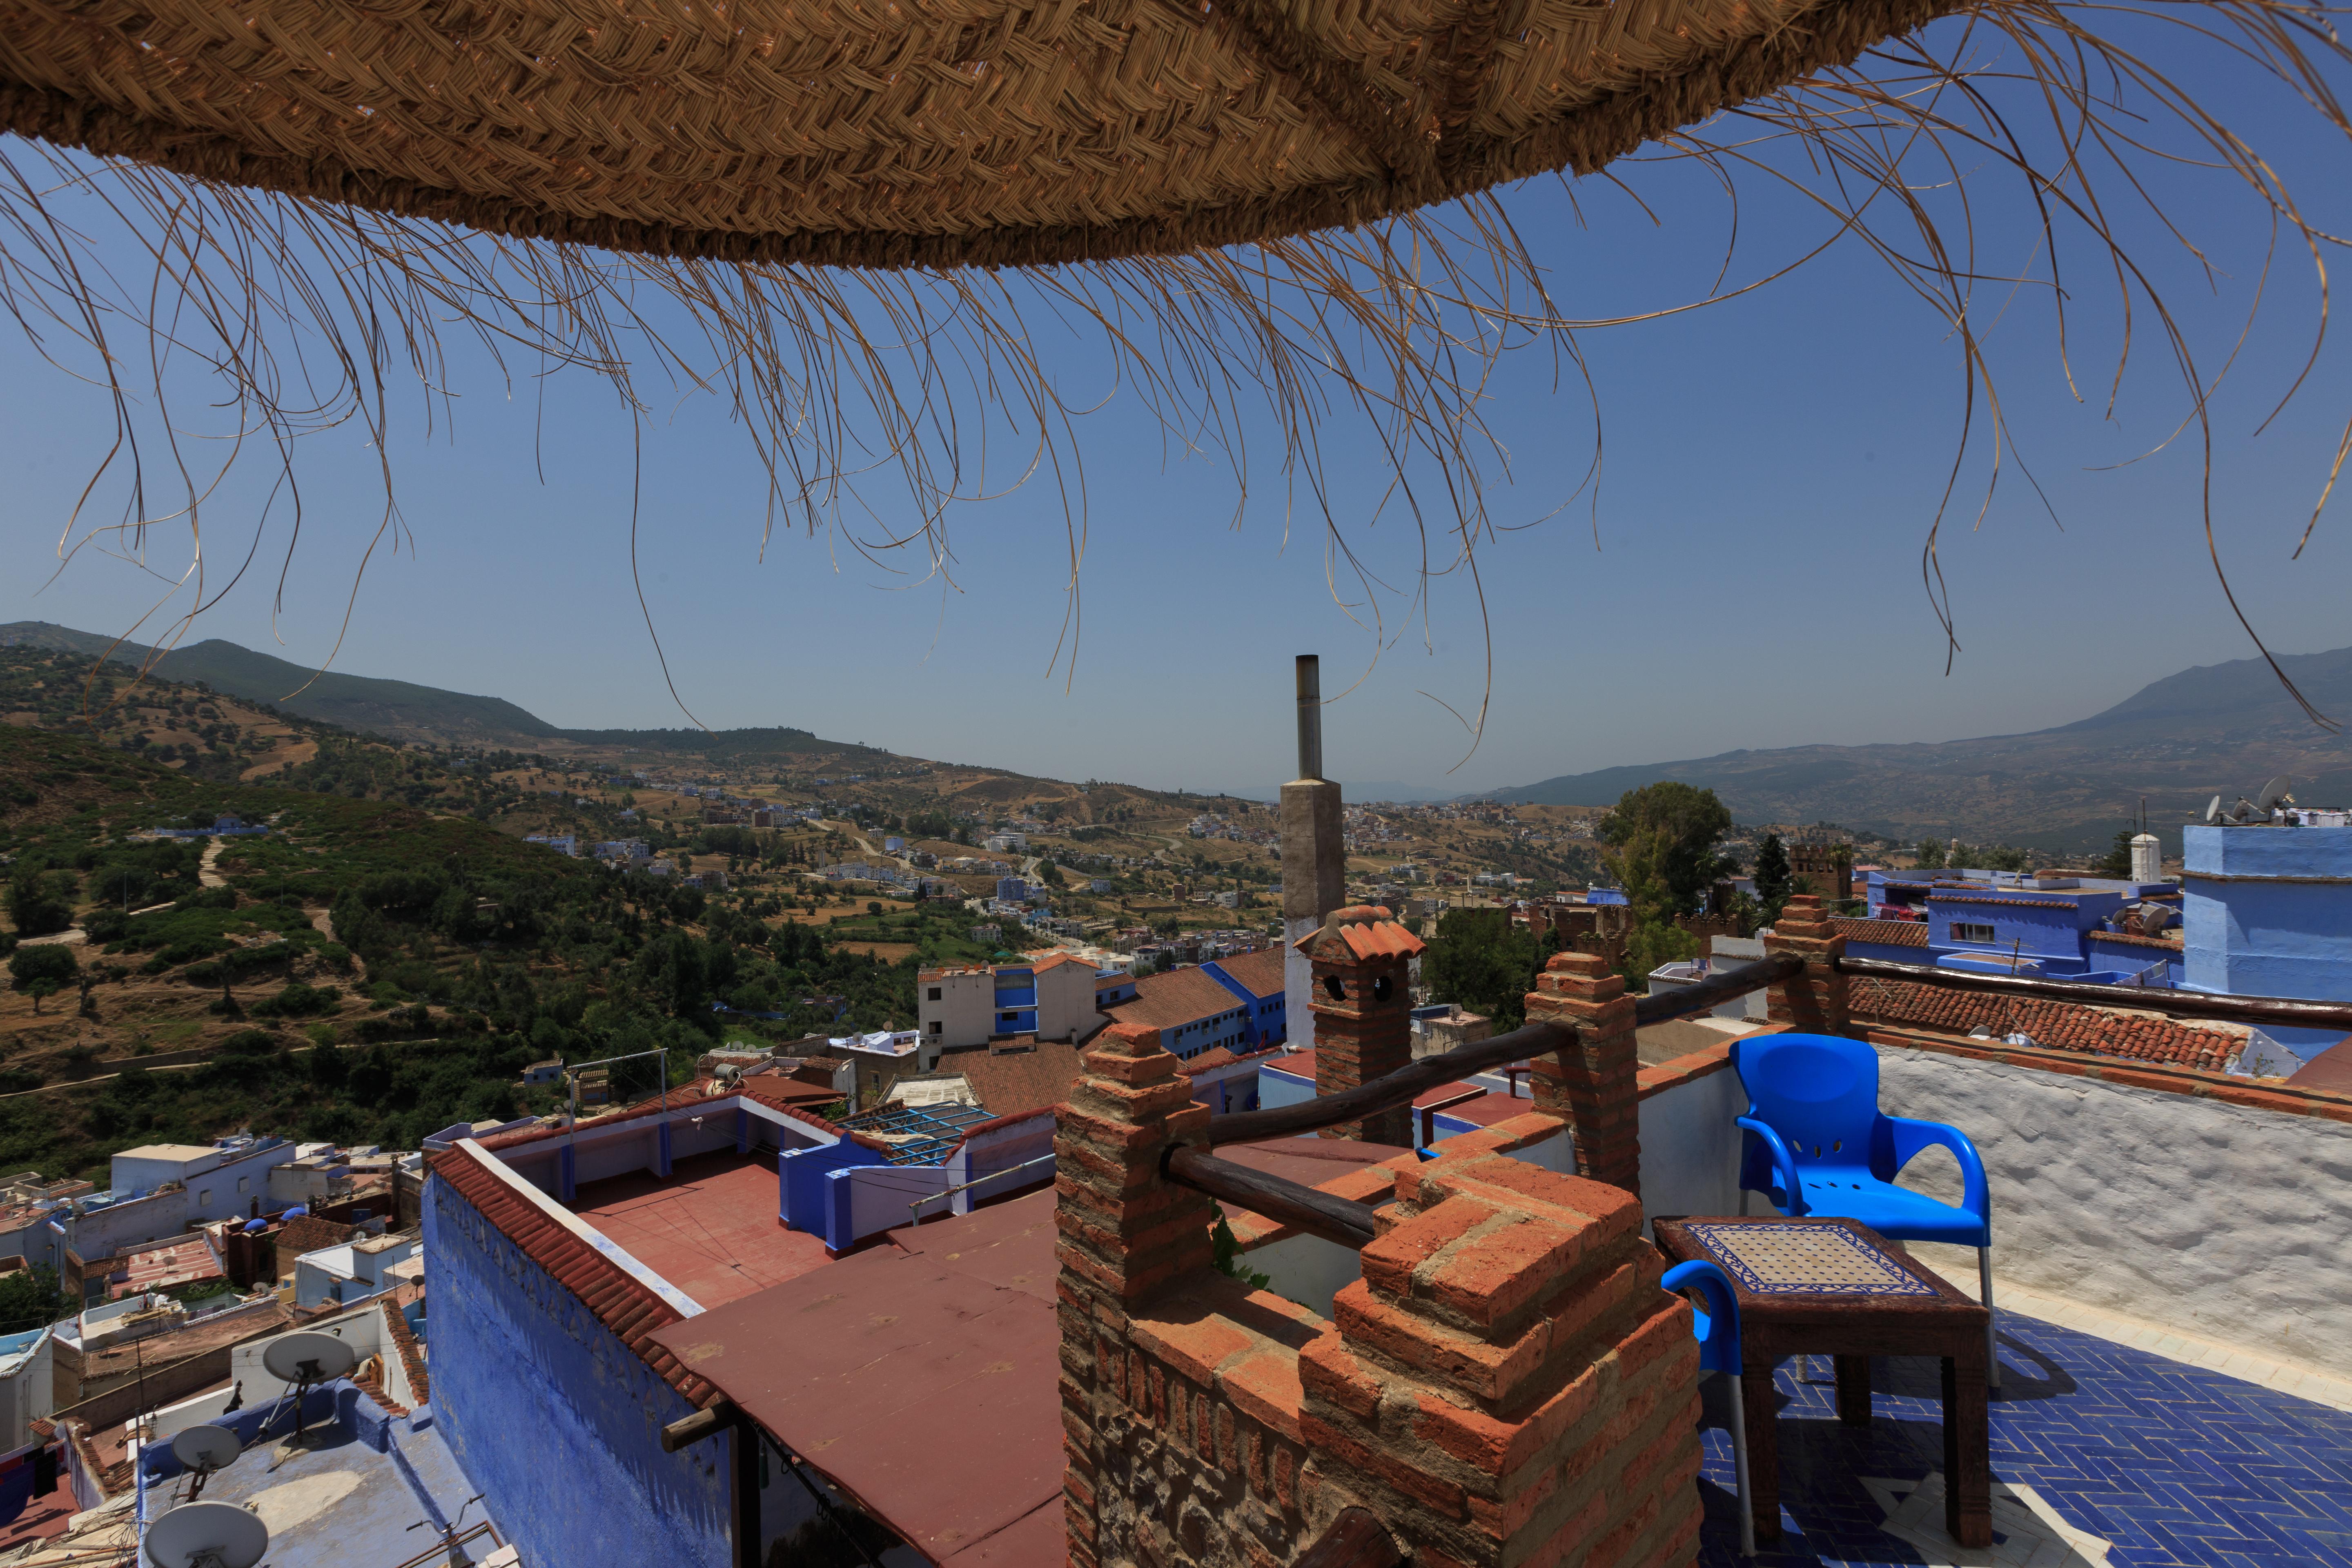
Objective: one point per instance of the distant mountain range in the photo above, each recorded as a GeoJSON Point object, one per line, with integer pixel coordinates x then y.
{"type": "Point", "coordinates": [2218, 729]}
{"type": "Point", "coordinates": [401, 710]}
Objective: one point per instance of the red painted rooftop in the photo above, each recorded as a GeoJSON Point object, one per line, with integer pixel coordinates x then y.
{"type": "Point", "coordinates": [622, 1302]}
{"type": "Point", "coordinates": [918, 1376]}
{"type": "Point", "coordinates": [709, 1228]}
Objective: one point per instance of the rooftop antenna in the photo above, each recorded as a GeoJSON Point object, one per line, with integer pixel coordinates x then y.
{"type": "Point", "coordinates": [203, 1450]}
{"type": "Point", "coordinates": [2275, 794]}
{"type": "Point", "coordinates": [206, 1535]}
{"type": "Point", "coordinates": [2213, 812]}
{"type": "Point", "coordinates": [307, 1360]}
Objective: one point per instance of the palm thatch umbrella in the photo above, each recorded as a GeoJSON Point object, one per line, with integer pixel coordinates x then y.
{"type": "Point", "coordinates": [858, 203]}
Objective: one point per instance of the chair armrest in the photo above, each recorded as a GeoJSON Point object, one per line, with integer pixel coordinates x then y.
{"type": "Point", "coordinates": [1721, 1337]}
{"type": "Point", "coordinates": [1912, 1136]}
{"type": "Point", "coordinates": [1784, 1163]}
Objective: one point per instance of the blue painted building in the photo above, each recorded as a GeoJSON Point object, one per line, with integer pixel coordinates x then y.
{"type": "Point", "coordinates": [546, 1385]}
{"type": "Point", "coordinates": [1256, 979]}
{"type": "Point", "coordinates": [2268, 912]}
{"type": "Point", "coordinates": [2057, 927]}
{"type": "Point", "coordinates": [1016, 1000]}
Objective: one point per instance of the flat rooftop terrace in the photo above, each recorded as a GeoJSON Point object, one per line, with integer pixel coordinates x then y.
{"type": "Point", "coordinates": [2102, 1455]}
{"type": "Point", "coordinates": [710, 1227]}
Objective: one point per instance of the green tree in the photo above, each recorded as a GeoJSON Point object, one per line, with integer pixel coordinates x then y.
{"type": "Point", "coordinates": [1931, 854]}
{"type": "Point", "coordinates": [1050, 874]}
{"type": "Point", "coordinates": [1480, 961]}
{"type": "Point", "coordinates": [1774, 881]}
{"type": "Point", "coordinates": [35, 906]}
{"type": "Point", "coordinates": [29, 1298]}
{"type": "Point", "coordinates": [2004, 859]}
{"type": "Point", "coordinates": [2117, 861]}
{"type": "Point", "coordinates": [50, 961]}
{"type": "Point", "coordinates": [1662, 843]}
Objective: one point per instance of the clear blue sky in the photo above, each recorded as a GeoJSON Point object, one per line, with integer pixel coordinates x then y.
{"type": "Point", "coordinates": [1772, 465]}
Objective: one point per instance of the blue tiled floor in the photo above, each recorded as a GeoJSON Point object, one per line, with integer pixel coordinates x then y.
{"type": "Point", "coordinates": [2171, 1464]}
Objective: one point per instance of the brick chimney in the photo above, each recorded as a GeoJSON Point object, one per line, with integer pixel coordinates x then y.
{"type": "Point", "coordinates": [1815, 1002]}
{"type": "Point", "coordinates": [1594, 1086]}
{"type": "Point", "coordinates": [1314, 861]}
{"type": "Point", "coordinates": [1360, 961]}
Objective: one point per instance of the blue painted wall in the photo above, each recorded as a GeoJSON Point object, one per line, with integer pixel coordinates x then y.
{"type": "Point", "coordinates": [2117, 958]}
{"type": "Point", "coordinates": [2258, 935]}
{"type": "Point", "coordinates": [2054, 936]}
{"type": "Point", "coordinates": [1264, 1023]}
{"type": "Point", "coordinates": [1275, 1086]}
{"type": "Point", "coordinates": [800, 1176]}
{"type": "Point", "coordinates": [555, 1419]}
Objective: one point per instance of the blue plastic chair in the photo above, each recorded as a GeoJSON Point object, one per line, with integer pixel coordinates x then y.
{"type": "Point", "coordinates": [1717, 1326]}
{"type": "Point", "coordinates": [1817, 1143]}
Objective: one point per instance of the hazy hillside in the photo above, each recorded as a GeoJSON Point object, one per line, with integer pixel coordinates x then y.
{"type": "Point", "coordinates": [395, 709]}
{"type": "Point", "coordinates": [2214, 730]}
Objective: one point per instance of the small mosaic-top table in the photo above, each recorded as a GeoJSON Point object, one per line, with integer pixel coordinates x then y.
{"type": "Point", "coordinates": [1836, 1288]}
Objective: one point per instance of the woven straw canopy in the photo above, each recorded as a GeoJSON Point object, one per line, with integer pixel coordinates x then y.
{"type": "Point", "coordinates": [888, 133]}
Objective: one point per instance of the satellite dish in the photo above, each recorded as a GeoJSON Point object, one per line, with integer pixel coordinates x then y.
{"type": "Point", "coordinates": [308, 1358]}
{"type": "Point", "coordinates": [206, 1448]}
{"type": "Point", "coordinates": [206, 1535]}
{"type": "Point", "coordinates": [2213, 812]}
{"type": "Point", "coordinates": [2274, 793]}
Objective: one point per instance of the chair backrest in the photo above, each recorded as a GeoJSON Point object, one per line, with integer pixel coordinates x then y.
{"type": "Point", "coordinates": [1717, 1326]}
{"type": "Point", "coordinates": [1819, 1093]}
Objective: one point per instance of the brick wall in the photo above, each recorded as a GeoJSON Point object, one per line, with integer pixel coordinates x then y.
{"type": "Point", "coordinates": [1594, 1085]}
{"type": "Point", "coordinates": [1506, 1385]}
{"type": "Point", "coordinates": [1815, 1001]}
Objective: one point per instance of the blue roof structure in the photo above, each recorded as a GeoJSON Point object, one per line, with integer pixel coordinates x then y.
{"type": "Point", "coordinates": [919, 1135]}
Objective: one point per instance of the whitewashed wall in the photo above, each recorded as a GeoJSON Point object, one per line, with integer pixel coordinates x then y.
{"type": "Point", "coordinates": [1690, 1149]}
{"type": "Point", "coordinates": [2217, 1220]}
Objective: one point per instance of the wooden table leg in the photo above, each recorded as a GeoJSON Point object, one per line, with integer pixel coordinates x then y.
{"type": "Point", "coordinates": [1853, 1390]}
{"type": "Point", "coordinates": [1968, 1453]}
{"type": "Point", "coordinates": [1763, 1405]}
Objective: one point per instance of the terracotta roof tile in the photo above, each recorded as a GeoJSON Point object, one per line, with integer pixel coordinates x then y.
{"type": "Point", "coordinates": [1887, 934]}
{"type": "Point", "coordinates": [1259, 973]}
{"type": "Point", "coordinates": [309, 1232]}
{"type": "Point", "coordinates": [622, 1302]}
{"type": "Point", "coordinates": [1018, 1083]}
{"type": "Point", "coordinates": [2002, 899]}
{"type": "Point", "coordinates": [2128, 939]}
{"type": "Point", "coordinates": [1172, 1000]}
{"type": "Point", "coordinates": [2055, 1025]}
{"type": "Point", "coordinates": [1368, 931]}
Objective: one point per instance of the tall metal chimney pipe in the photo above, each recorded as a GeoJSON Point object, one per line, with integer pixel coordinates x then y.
{"type": "Point", "coordinates": [1310, 716]}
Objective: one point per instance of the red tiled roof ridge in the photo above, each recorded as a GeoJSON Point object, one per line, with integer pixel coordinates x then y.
{"type": "Point", "coordinates": [2132, 939]}
{"type": "Point", "coordinates": [622, 1302]}
{"type": "Point", "coordinates": [2002, 899]}
{"type": "Point", "coordinates": [1888, 934]}
{"type": "Point", "coordinates": [2085, 1028]}
{"type": "Point", "coordinates": [412, 1360]}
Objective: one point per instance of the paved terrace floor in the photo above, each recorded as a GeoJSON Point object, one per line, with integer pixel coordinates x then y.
{"type": "Point", "coordinates": [2109, 1456]}
{"type": "Point", "coordinates": [709, 1227]}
